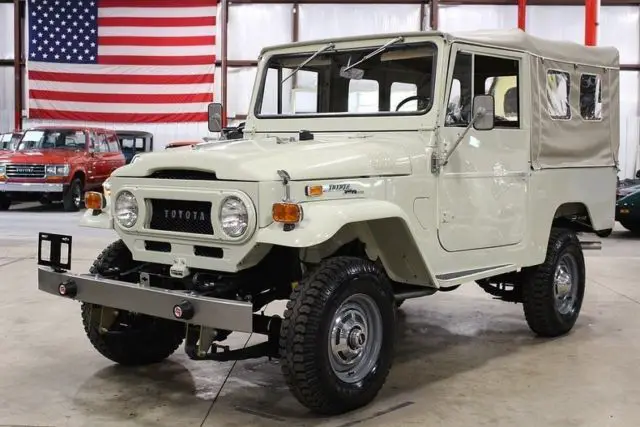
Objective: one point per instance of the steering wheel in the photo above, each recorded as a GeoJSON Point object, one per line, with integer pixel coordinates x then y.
{"type": "Point", "coordinates": [421, 106]}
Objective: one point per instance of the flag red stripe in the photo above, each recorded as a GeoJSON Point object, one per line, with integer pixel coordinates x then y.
{"type": "Point", "coordinates": [193, 21]}
{"type": "Point", "coordinates": [35, 113]}
{"type": "Point", "coordinates": [158, 3]}
{"type": "Point", "coordinates": [121, 78]}
{"type": "Point", "coordinates": [121, 98]}
{"type": "Point", "coordinates": [156, 41]}
{"type": "Point", "coordinates": [156, 60]}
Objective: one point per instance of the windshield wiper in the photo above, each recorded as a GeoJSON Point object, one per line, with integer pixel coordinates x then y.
{"type": "Point", "coordinates": [330, 46]}
{"type": "Point", "coordinates": [374, 53]}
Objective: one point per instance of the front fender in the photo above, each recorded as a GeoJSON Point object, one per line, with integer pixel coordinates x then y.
{"type": "Point", "coordinates": [382, 226]}
{"type": "Point", "coordinates": [323, 219]}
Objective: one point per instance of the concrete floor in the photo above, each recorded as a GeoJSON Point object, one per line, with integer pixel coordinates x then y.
{"type": "Point", "coordinates": [463, 359]}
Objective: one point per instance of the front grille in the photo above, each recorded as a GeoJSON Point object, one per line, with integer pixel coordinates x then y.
{"type": "Point", "coordinates": [183, 216]}
{"type": "Point", "coordinates": [25, 171]}
{"type": "Point", "coordinates": [193, 175]}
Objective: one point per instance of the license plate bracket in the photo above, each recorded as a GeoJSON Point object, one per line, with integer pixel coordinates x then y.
{"type": "Point", "coordinates": [59, 252]}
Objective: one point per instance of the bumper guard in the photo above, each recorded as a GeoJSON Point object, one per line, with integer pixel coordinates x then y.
{"type": "Point", "coordinates": [182, 306]}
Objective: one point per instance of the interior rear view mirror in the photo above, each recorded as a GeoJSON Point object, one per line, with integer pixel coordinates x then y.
{"type": "Point", "coordinates": [215, 117]}
{"type": "Point", "coordinates": [483, 112]}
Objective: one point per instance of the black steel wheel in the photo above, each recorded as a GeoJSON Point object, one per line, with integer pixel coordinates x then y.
{"type": "Point", "coordinates": [337, 336]}
{"type": "Point", "coordinates": [553, 291]}
{"type": "Point", "coordinates": [72, 198]}
{"type": "Point", "coordinates": [132, 338]}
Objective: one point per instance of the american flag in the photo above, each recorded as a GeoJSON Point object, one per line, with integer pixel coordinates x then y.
{"type": "Point", "coordinates": [121, 61]}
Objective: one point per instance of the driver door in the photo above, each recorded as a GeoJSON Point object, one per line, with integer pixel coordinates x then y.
{"type": "Point", "coordinates": [482, 190]}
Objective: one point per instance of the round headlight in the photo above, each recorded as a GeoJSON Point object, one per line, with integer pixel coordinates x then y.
{"type": "Point", "coordinates": [234, 217]}
{"type": "Point", "coordinates": [126, 209]}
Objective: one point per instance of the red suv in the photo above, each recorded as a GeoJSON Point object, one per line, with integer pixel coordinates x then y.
{"type": "Point", "coordinates": [58, 164]}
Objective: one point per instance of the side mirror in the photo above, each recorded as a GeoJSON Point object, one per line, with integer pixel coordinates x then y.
{"type": "Point", "coordinates": [215, 117]}
{"type": "Point", "coordinates": [483, 112]}
{"type": "Point", "coordinates": [638, 174]}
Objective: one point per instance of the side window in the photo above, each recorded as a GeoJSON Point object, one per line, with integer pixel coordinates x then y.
{"type": "Point", "coordinates": [491, 76]}
{"type": "Point", "coordinates": [558, 90]}
{"type": "Point", "coordinates": [460, 92]}
{"type": "Point", "coordinates": [498, 77]}
{"type": "Point", "coordinates": [114, 147]}
{"type": "Point", "coordinates": [364, 96]}
{"type": "Point", "coordinates": [591, 97]}
{"type": "Point", "coordinates": [102, 146]}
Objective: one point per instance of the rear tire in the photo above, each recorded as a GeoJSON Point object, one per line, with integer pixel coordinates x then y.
{"type": "Point", "coordinates": [5, 203]}
{"type": "Point", "coordinates": [133, 339]}
{"type": "Point", "coordinates": [72, 198]}
{"type": "Point", "coordinates": [633, 227]}
{"type": "Point", "coordinates": [337, 335]}
{"type": "Point", "coordinates": [554, 290]}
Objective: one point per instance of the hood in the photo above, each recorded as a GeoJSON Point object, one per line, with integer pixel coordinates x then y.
{"type": "Point", "coordinates": [41, 157]}
{"type": "Point", "coordinates": [338, 156]}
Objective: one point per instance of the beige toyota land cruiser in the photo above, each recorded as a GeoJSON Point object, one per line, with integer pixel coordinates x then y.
{"type": "Point", "coordinates": [371, 170]}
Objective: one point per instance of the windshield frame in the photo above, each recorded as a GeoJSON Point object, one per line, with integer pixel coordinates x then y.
{"type": "Point", "coordinates": [263, 71]}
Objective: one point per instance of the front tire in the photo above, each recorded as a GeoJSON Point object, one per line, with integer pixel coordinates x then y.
{"type": "Point", "coordinates": [5, 203]}
{"type": "Point", "coordinates": [553, 291]}
{"type": "Point", "coordinates": [337, 336]}
{"type": "Point", "coordinates": [132, 339]}
{"type": "Point", "coordinates": [72, 198]}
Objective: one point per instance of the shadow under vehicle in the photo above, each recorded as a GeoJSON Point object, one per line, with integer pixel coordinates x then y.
{"type": "Point", "coordinates": [391, 167]}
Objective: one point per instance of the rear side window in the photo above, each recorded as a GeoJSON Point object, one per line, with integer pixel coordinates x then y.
{"type": "Point", "coordinates": [558, 91]}
{"type": "Point", "coordinates": [102, 146]}
{"type": "Point", "coordinates": [112, 141]}
{"type": "Point", "coordinates": [591, 97]}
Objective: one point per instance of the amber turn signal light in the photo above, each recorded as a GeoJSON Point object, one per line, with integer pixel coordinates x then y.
{"type": "Point", "coordinates": [287, 213]}
{"type": "Point", "coordinates": [314, 190]}
{"type": "Point", "coordinates": [93, 200]}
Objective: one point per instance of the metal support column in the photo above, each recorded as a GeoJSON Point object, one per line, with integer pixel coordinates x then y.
{"type": "Point", "coordinates": [224, 8]}
{"type": "Point", "coordinates": [17, 62]}
{"type": "Point", "coordinates": [522, 14]}
{"type": "Point", "coordinates": [591, 12]}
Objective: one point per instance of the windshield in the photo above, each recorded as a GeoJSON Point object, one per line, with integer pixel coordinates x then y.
{"type": "Point", "coordinates": [4, 141]}
{"type": "Point", "coordinates": [398, 79]}
{"type": "Point", "coordinates": [54, 139]}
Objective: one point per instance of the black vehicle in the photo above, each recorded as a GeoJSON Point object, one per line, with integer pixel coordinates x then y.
{"type": "Point", "coordinates": [134, 142]}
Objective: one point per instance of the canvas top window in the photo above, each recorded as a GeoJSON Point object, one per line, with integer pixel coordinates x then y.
{"type": "Point", "coordinates": [347, 83]}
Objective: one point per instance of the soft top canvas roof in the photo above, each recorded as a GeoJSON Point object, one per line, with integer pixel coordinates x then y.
{"type": "Point", "coordinates": [562, 51]}
{"type": "Point", "coordinates": [513, 39]}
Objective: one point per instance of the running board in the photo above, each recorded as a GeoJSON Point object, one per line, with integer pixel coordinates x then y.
{"type": "Point", "coordinates": [450, 279]}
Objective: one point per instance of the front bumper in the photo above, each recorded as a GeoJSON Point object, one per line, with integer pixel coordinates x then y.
{"type": "Point", "coordinates": [210, 312]}
{"type": "Point", "coordinates": [29, 187]}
